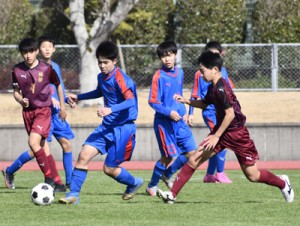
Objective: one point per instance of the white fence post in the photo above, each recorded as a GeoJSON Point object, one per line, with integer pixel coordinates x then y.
{"type": "Point", "coordinates": [274, 67]}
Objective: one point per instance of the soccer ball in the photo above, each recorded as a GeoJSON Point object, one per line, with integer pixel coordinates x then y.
{"type": "Point", "coordinates": [42, 194]}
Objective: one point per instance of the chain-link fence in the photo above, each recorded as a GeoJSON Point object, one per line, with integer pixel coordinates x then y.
{"type": "Point", "coordinates": [250, 66]}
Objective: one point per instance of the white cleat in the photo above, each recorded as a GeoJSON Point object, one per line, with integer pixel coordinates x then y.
{"type": "Point", "coordinates": [166, 196]}
{"type": "Point", "coordinates": [287, 192]}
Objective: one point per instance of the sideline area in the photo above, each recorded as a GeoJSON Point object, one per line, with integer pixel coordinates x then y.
{"type": "Point", "coordinates": [148, 165]}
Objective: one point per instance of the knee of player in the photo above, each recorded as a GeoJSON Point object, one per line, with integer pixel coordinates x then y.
{"type": "Point", "coordinates": [66, 146]}
{"type": "Point", "coordinates": [252, 178]}
{"type": "Point", "coordinates": [109, 170]}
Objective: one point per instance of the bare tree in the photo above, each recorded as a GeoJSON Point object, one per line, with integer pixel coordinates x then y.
{"type": "Point", "coordinates": [107, 20]}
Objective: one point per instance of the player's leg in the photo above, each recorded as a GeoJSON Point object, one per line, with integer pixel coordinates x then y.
{"type": "Point", "coordinates": [79, 174]}
{"type": "Point", "coordinates": [38, 129]}
{"type": "Point", "coordinates": [67, 159]}
{"type": "Point", "coordinates": [239, 141]}
{"type": "Point", "coordinates": [186, 144]}
{"type": "Point", "coordinates": [168, 150]}
{"type": "Point", "coordinates": [9, 172]}
{"type": "Point", "coordinates": [221, 176]}
{"type": "Point", "coordinates": [198, 157]}
{"type": "Point", "coordinates": [264, 176]}
{"type": "Point", "coordinates": [58, 184]}
{"type": "Point", "coordinates": [63, 134]}
{"type": "Point", "coordinates": [173, 168]}
{"type": "Point", "coordinates": [35, 141]}
{"type": "Point", "coordinates": [119, 151]}
{"type": "Point", "coordinates": [209, 118]}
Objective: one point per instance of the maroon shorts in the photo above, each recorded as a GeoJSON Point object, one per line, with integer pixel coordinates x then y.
{"type": "Point", "coordinates": [240, 143]}
{"type": "Point", "coordinates": [38, 121]}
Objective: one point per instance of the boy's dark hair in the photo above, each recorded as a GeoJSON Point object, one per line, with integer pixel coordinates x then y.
{"type": "Point", "coordinates": [213, 45]}
{"type": "Point", "coordinates": [108, 50]}
{"type": "Point", "coordinates": [28, 45]}
{"type": "Point", "coordinates": [166, 47]}
{"type": "Point", "coordinates": [45, 38]}
{"type": "Point", "coordinates": [209, 60]}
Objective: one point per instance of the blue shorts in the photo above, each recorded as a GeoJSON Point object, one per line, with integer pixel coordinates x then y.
{"type": "Point", "coordinates": [117, 142]}
{"type": "Point", "coordinates": [174, 138]}
{"type": "Point", "coordinates": [59, 129]}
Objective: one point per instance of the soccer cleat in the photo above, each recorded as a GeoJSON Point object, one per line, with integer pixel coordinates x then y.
{"type": "Point", "coordinates": [50, 181]}
{"type": "Point", "coordinates": [8, 179]}
{"type": "Point", "coordinates": [209, 178]}
{"type": "Point", "coordinates": [71, 198]}
{"type": "Point", "coordinates": [131, 190]}
{"type": "Point", "coordinates": [222, 178]}
{"type": "Point", "coordinates": [168, 181]}
{"type": "Point", "coordinates": [166, 196]}
{"type": "Point", "coordinates": [287, 192]}
{"type": "Point", "coordinates": [151, 190]}
{"type": "Point", "coordinates": [60, 188]}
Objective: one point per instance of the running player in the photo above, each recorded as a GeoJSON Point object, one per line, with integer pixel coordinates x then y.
{"type": "Point", "coordinates": [217, 162]}
{"type": "Point", "coordinates": [116, 135]}
{"type": "Point", "coordinates": [229, 132]}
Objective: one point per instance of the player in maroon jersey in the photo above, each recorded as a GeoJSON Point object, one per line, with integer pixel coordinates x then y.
{"type": "Point", "coordinates": [31, 85]}
{"type": "Point", "coordinates": [229, 132]}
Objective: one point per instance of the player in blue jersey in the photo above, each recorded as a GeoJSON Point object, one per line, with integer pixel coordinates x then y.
{"type": "Point", "coordinates": [217, 162]}
{"type": "Point", "coordinates": [174, 137]}
{"type": "Point", "coordinates": [60, 129]}
{"type": "Point", "coordinates": [116, 135]}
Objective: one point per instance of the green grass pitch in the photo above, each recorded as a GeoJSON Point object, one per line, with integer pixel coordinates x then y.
{"type": "Point", "coordinates": [240, 203]}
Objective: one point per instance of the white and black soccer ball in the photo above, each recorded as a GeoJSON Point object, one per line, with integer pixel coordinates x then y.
{"type": "Point", "coordinates": [42, 194]}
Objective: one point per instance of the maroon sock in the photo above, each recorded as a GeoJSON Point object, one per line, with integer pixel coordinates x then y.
{"type": "Point", "coordinates": [183, 176]}
{"type": "Point", "coordinates": [53, 168]}
{"type": "Point", "coordinates": [42, 161]}
{"type": "Point", "coordinates": [269, 178]}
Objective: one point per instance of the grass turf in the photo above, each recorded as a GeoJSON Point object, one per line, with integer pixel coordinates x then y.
{"type": "Point", "coordinates": [240, 203]}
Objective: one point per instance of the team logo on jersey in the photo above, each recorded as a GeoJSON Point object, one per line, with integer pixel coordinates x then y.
{"type": "Point", "coordinates": [40, 76]}
{"type": "Point", "coordinates": [23, 76]}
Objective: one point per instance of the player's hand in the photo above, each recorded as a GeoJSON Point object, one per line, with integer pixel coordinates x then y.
{"type": "Point", "coordinates": [55, 103]}
{"type": "Point", "coordinates": [210, 142]}
{"type": "Point", "coordinates": [24, 102]}
{"type": "Point", "coordinates": [62, 114]}
{"type": "Point", "coordinates": [72, 100]}
{"type": "Point", "coordinates": [101, 112]}
{"type": "Point", "coordinates": [175, 116]}
{"type": "Point", "coordinates": [179, 98]}
{"type": "Point", "coordinates": [185, 117]}
{"type": "Point", "coordinates": [190, 119]}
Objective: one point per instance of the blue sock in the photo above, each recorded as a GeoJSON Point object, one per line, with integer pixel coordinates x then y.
{"type": "Point", "coordinates": [175, 166]}
{"type": "Point", "coordinates": [68, 166]}
{"type": "Point", "coordinates": [212, 165]}
{"type": "Point", "coordinates": [19, 162]}
{"type": "Point", "coordinates": [125, 178]}
{"type": "Point", "coordinates": [78, 178]}
{"type": "Point", "coordinates": [221, 161]}
{"type": "Point", "coordinates": [157, 173]}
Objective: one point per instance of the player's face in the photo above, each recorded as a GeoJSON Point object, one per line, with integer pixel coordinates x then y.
{"type": "Point", "coordinates": [206, 72]}
{"type": "Point", "coordinates": [106, 65]}
{"type": "Point", "coordinates": [168, 60]}
{"type": "Point", "coordinates": [30, 57]}
{"type": "Point", "coordinates": [46, 50]}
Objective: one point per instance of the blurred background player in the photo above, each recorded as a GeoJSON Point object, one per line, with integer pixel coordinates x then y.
{"type": "Point", "coordinates": [115, 136]}
{"type": "Point", "coordinates": [217, 162]}
{"type": "Point", "coordinates": [31, 85]}
{"type": "Point", "coordinates": [60, 129]}
{"type": "Point", "coordinates": [174, 136]}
